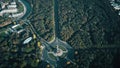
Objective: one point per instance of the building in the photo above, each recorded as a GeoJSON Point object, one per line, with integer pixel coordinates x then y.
{"type": "Point", "coordinates": [27, 40]}
{"type": "Point", "coordinates": [13, 3]}
{"type": "Point", "coordinates": [116, 5]}
{"type": "Point", "coordinates": [11, 8]}
{"type": "Point", "coordinates": [15, 26]}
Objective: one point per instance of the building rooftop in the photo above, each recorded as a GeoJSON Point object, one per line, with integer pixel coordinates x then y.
{"type": "Point", "coordinates": [27, 40]}
{"type": "Point", "coordinates": [11, 8]}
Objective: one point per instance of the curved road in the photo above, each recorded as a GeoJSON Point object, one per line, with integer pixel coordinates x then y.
{"type": "Point", "coordinates": [27, 8]}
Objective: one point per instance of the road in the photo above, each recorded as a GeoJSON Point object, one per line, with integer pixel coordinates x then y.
{"type": "Point", "coordinates": [35, 32]}
{"type": "Point", "coordinates": [56, 19]}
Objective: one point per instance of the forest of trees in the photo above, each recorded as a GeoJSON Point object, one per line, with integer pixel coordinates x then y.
{"type": "Point", "coordinates": [84, 23]}
{"type": "Point", "coordinates": [14, 54]}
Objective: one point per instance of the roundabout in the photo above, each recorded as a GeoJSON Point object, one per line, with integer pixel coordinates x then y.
{"type": "Point", "coordinates": [57, 50]}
